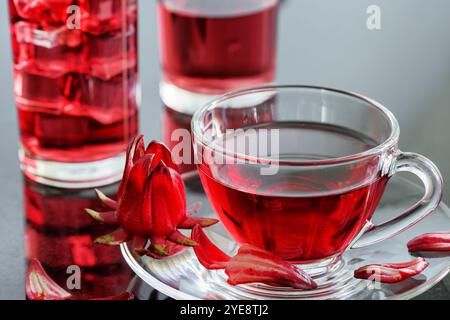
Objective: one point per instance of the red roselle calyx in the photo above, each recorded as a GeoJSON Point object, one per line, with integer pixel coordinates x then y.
{"type": "Point", "coordinates": [439, 242]}
{"type": "Point", "coordinates": [393, 272]}
{"type": "Point", "coordinates": [40, 286]}
{"type": "Point", "coordinates": [250, 265]}
{"type": "Point", "coordinates": [151, 203]}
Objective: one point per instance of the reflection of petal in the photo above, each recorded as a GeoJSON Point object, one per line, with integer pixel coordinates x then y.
{"type": "Point", "coordinates": [431, 255]}
{"type": "Point", "coordinates": [39, 285]}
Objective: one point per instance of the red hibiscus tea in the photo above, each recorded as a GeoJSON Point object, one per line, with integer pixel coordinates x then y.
{"type": "Point", "coordinates": [300, 213]}
{"type": "Point", "coordinates": [216, 46]}
{"type": "Point", "coordinates": [75, 87]}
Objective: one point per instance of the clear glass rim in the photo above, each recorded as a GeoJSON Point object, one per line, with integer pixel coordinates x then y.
{"type": "Point", "coordinates": [391, 141]}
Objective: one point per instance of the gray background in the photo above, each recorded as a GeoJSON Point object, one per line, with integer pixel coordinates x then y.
{"type": "Point", "coordinates": [405, 65]}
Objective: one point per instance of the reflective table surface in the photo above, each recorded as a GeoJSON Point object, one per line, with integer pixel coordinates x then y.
{"type": "Point", "coordinates": [325, 56]}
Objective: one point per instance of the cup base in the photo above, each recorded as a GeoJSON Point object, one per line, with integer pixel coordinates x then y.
{"type": "Point", "coordinates": [333, 276]}
{"type": "Point", "coordinates": [323, 267]}
{"type": "Point", "coordinates": [73, 175]}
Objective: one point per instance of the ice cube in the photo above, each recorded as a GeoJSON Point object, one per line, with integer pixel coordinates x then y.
{"type": "Point", "coordinates": [109, 101]}
{"type": "Point", "coordinates": [61, 131]}
{"type": "Point", "coordinates": [112, 53]}
{"type": "Point", "coordinates": [51, 51]}
{"type": "Point", "coordinates": [46, 12]}
{"type": "Point", "coordinates": [103, 16]}
{"type": "Point", "coordinates": [52, 93]}
{"type": "Point", "coordinates": [122, 130]}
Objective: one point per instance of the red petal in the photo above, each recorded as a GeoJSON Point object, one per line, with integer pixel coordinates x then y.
{"type": "Point", "coordinates": [135, 151]}
{"type": "Point", "coordinates": [191, 222]}
{"type": "Point", "coordinates": [170, 249]}
{"type": "Point", "coordinates": [122, 296]}
{"type": "Point", "coordinates": [178, 238]}
{"type": "Point", "coordinates": [114, 238]}
{"type": "Point", "coordinates": [439, 241]}
{"type": "Point", "coordinates": [250, 265]}
{"type": "Point", "coordinates": [110, 203]}
{"type": "Point", "coordinates": [392, 272]}
{"type": "Point", "coordinates": [134, 215]}
{"type": "Point", "coordinates": [254, 265]}
{"type": "Point", "coordinates": [166, 200]}
{"type": "Point", "coordinates": [162, 153]}
{"type": "Point", "coordinates": [39, 285]}
{"type": "Point", "coordinates": [210, 256]}
{"type": "Point", "coordinates": [103, 217]}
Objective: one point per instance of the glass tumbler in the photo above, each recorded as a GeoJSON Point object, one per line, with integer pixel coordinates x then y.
{"type": "Point", "coordinates": [212, 47]}
{"type": "Point", "coordinates": [76, 87]}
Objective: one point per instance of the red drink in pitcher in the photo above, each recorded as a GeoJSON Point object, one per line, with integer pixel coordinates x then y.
{"type": "Point", "coordinates": [216, 46]}
{"type": "Point", "coordinates": [75, 82]}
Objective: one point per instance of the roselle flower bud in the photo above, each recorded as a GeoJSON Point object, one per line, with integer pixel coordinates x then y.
{"type": "Point", "coordinates": [151, 203]}
{"type": "Point", "coordinates": [392, 272]}
{"type": "Point", "coordinates": [250, 265]}
{"type": "Point", "coordinates": [437, 242]}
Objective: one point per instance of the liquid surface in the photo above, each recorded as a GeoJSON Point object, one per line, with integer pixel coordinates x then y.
{"type": "Point", "coordinates": [218, 8]}
{"type": "Point", "coordinates": [298, 141]}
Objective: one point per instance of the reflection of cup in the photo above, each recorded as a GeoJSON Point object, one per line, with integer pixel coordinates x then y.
{"type": "Point", "coordinates": [177, 126]}
{"type": "Point", "coordinates": [334, 154]}
{"type": "Point", "coordinates": [75, 88]}
{"type": "Point", "coordinates": [177, 137]}
{"type": "Point", "coordinates": [178, 107]}
{"type": "Point", "coordinates": [215, 46]}
{"type": "Point", "coordinates": [60, 234]}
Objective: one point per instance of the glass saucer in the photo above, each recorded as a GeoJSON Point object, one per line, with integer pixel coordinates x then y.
{"type": "Point", "coordinates": [183, 277]}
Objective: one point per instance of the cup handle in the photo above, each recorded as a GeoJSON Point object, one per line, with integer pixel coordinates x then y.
{"type": "Point", "coordinates": [432, 180]}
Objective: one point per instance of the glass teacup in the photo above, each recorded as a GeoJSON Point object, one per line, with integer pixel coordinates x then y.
{"type": "Point", "coordinates": [300, 170]}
